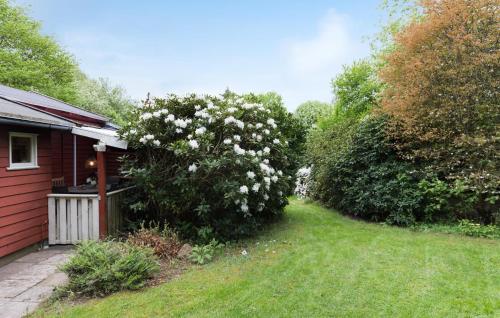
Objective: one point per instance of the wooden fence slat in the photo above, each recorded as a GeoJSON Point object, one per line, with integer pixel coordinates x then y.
{"type": "Point", "coordinates": [73, 212]}
{"type": "Point", "coordinates": [111, 229]}
{"type": "Point", "coordinates": [52, 221]}
{"type": "Point", "coordinates": [85, 219]}
{"type": "Point", "coordinates": [62, 221]}
{"type": "Point", "coordinates": [95, 219]}
{"type": "Point", "coordinates": [79, 218]}
{"type": "Point", "coordinates": [109, 220]}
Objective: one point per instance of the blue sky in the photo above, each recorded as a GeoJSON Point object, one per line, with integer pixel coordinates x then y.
{"type": "Point", "coordinates": [291, 47]}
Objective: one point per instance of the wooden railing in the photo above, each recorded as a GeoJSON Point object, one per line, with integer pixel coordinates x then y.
{"type": "Point", "coordinates": [115, 217]}
{"type": "Point", "coordinates": [75, 217]}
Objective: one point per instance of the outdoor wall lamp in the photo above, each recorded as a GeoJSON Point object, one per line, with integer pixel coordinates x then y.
{"type": "Point", "coordinates": [91, 163]}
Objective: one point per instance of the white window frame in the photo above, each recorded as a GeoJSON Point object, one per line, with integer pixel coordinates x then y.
{"type": "Point", "coordinates": [33, 164]}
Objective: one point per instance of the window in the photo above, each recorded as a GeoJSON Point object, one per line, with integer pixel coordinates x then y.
{"type": "Point", "coordinates": [22, 151]}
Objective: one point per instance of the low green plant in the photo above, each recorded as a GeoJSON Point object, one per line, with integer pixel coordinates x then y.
{"type": "Point", "coordinates": [453, 201]}
{"type": "Point", "coordinates": [102, 268]}
{"type": "Point", "coordinates": [477, 230]}
{"type": "Point", "coordinates": [202, 254]}
{"type": "Point", "coordinates": [437, 196]}
{"type": "Point", "coordinates": [464, 227]}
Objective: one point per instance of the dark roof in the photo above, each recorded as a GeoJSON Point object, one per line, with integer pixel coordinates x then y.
{"type": "Point", "coordinates": [21, 113]}
{"type": "Point", "coordinates": [37, 99]}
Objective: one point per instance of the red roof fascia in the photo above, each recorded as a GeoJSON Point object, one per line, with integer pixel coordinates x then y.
{"type": "Point", "coordinates": [73, 117]}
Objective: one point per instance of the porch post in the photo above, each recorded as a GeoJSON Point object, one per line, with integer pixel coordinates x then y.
{"type": "Point", "coordinates": [74, 160]}
{"type": "Point", "coordinates": [101, 183]}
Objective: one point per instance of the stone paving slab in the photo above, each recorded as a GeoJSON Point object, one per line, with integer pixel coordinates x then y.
{"type": "Point", "coordinates": [15, 309]}
{"type": "Point", "coordinates": [29, 280]}
{"type": "Point", "coordinates": [13, 268]}
{"type": "Point", "coordinates": [56, 279]}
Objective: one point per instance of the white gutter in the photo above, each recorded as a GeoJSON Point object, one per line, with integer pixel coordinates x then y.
{"type": "Point", "coordinates": [105, 136]}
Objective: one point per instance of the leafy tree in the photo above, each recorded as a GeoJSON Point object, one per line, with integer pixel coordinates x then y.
{"type": "Point", "coordinates": [356, 89]}
{"type": "Point", "coordinates": [443, 90]}
{"type": "Point", "coordinates": [30, 60]}
{"type": "Point", "coordinates": [399, 13]}
{"type": "Point", "coordinates": [99, 95]}
{"type": "Point", "coordinates": [309, 112]}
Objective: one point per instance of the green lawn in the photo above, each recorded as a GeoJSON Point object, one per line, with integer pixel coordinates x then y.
{"type": "Point", "coordinates": [317, 263]}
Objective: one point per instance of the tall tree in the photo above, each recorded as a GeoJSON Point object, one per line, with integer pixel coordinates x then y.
{"type": "Point", "coordinates": [30, 60]}
{"type": "Point", "coordinates": [309, 112]}
{"type": "Point", "coordinates": [356, 89]}
{"type": "Point", "coordinates": [443, 89]}
{"type": "Point", "coordinates": [398, 14]}
{"type": "Point", "coordinates": [356, 92]}
{"type": "Point", "coordinates": [99, 95]}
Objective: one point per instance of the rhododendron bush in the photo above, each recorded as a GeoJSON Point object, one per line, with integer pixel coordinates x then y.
{"type": "Point", "coordinates": [212, 166]}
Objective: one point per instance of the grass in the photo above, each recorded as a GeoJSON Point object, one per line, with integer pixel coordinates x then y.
{"type": "Point", "coordinates": [317, 263]}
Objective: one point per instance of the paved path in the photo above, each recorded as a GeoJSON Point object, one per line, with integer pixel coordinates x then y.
{"type": "Point", "coordinates": [30, 279]}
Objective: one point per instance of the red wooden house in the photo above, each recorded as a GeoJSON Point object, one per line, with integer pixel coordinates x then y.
{"type": "Point", "coordinates": [57, 163]}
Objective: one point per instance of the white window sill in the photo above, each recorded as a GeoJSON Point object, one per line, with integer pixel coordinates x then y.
{"type": "Point", "coordinates": [22, 168]}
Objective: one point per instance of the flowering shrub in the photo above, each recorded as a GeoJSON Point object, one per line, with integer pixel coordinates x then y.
{"type": "Point", "coordinates": [208, 164]}
{"type": "Point", "coordinates": [303, 182]}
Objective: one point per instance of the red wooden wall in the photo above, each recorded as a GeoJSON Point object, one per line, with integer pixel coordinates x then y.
{"type": "Point", "coordinates": [112, 163]}
{"type": "Point", "coordinates": [23, 194]}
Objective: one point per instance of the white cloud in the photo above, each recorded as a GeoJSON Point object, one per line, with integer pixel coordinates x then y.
{"type": "Point", "coordinates": [313, 62]}
{"type": "Point", "coordinates": [330, 46]}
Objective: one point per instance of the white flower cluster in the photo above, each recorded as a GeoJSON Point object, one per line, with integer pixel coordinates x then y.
{"type": "Point", "coordinates": [232, 120]}
{"type": "Point", "coordinates": [156, 114]}
{"type": "Point", "coordinates": [200, 130]}
{"type": "Point", "coordinates": [146, 116]}
{"type": "Point", "coordinates": [170, 118]}
{"type": "Point", "coordinates": [238, 150]}
{"type": "Point", "coordinates": [244, 189]}
{"type": "Point", "coordinates": [150, 138]}
{"type": "Point", "coordinates": [250, 106]}
{"type": "Point", "coordinates": [203, 113]}
{"type": "Point", "coordinates": [303, 182]}
{"type": "Point", "coordinates": [192, 168]}
{"type": "Point", "coordinates": [193, 144]}
{"type": "Point", "coordinates": [182, 123]}
{"type": "Point", "coordinates": [272, 123]}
